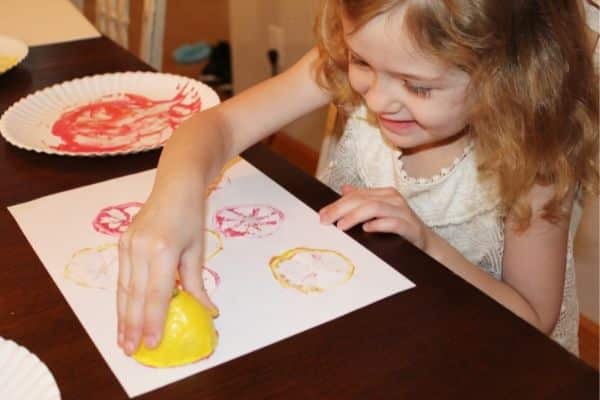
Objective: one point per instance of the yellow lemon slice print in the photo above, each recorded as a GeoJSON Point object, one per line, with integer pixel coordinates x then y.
{"type": "Point", "coordinates": [94, 267]}
{"type": "Point", "coordinates": [311, 270]}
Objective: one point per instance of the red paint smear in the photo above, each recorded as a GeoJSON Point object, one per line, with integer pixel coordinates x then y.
{"type": "Point", "coordinates": [123, 121]}
{"type": "Point", "coordinates": [210, 274]}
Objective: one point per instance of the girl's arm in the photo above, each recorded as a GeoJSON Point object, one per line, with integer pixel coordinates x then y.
{"type": "Point", "coordinates": [203, 143]}
{"type": "Point", "coordinates": [533, 263]}
{"type": "Point", "coordinates": [167, 234]}
{"type": "Point", "coordinates": [533, 269]}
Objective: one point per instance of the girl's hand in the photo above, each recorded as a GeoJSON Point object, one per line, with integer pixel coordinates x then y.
{"type": "Point", "coordinates": [379, 210]}
{"type": "Point", "coordinates": [165, 237]}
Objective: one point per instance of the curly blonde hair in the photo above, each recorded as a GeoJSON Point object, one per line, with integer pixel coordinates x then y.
{"type": "Point", "coordinates": [533, 85]}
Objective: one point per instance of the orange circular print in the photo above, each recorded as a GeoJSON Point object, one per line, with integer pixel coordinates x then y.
{"type": "Point", "coordinates": [311, 270]}
{"type": "Point", "coordinates": [218, 183]}
{"type": "Point", "coordinates": [213, 244]}
{"type": "Point", "coordinates": [96, 267]}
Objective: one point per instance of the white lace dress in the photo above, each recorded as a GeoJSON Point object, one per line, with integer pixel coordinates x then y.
{"type": "Point", "coordinates": [459, 208]}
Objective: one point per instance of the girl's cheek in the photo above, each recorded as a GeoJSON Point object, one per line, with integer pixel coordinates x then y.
{"type": "Point", "coordinates": [359, 80]}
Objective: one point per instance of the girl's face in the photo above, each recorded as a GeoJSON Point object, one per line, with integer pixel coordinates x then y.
{"type": "Point", "coordinates": [418, 102]}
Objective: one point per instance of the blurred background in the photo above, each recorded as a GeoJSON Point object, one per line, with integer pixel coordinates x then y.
{"type": "Point", "coordinates": [249, 28]}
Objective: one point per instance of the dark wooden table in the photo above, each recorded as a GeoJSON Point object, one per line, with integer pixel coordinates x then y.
{"type": "Point", "coordinates": [443, 339]}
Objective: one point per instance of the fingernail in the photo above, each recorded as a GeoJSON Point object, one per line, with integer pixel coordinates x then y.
{"type": "Point", "coordinates": [214, 312]}
{"type": "Point", "coordinates": [129, 347]}
{"type": "Point", "coordinates": [150, 341]}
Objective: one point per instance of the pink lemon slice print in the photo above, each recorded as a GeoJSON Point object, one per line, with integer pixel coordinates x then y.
{"type": "Point", "coordinates": [114, 220]}
{"type": "Point", "coordinates": [252, 220]}
{"type": "Point", "coordinates": [210, 278]}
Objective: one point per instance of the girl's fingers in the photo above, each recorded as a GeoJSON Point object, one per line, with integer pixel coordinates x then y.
{"type": "Point", "coordinates": [191, 277]}
{"type": "Point", "coordinates": [355, 197]}
{"type": "Point", "coordinates": [336, 210]}
{"type": "Point", "coordinates": [347, 189]}
{"type": "Point", "coordinates": [123, 287]}
{"type": "Point", "coordinates": [398, 226]}
{"type": "Point", "coordinates": [136, 297]}
{"type": "Point", "coordinates": [367, 211]}
{"type": "Point", "coordinates": [161, 281]}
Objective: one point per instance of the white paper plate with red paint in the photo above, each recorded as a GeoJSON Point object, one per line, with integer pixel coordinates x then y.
{"type": "Point", "coordinates": [105, 114]}
{"type": "Point", "coordinates": [23, 375]}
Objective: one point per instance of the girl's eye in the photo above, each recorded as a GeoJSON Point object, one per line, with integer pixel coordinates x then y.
{"type": "Point", "coordinates": [357, 61]}
{"type": "Point", "coordinates": [419, 91]}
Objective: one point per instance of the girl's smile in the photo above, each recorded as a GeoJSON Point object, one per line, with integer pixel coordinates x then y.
{"type": "Point", "coordinates": [400, 127]}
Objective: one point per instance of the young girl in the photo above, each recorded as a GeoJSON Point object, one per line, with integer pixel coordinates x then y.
{"type": "Point", "coordinates": [472, 132]}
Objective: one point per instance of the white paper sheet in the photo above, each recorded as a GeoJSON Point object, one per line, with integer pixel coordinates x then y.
{"type": "Point", "coordinates": [77, 244]}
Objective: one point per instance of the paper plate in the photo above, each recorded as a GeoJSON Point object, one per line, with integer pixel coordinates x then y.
{"type": "Point", "coordinates": [105, 114]}
{"type": "Point", "coordinates": [12, 52]}
{"type": "Point", "coordinates": [23, 376]}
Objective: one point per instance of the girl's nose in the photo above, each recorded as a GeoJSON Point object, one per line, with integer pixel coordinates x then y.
{"type": "Point", "coordinates": [381, 98]}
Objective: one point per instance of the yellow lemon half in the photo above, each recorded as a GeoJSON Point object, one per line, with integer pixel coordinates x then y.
{"type": "Point", "coordinates": [189, 335]}
{"type": "Point", "coordinates": [7, 62]}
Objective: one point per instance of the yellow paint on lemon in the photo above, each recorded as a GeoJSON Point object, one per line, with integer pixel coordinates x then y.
{"type": "Point", "coordinates": [189, 335]}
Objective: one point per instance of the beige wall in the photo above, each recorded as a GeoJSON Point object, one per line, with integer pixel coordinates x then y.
{"type": "Point", "coordinates": [249, 21]}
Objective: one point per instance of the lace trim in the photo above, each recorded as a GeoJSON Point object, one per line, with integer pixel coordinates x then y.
{"type": "Point", "coordinates": [437, 177]}
{"type": "Point", "coordinates": [342, 169]}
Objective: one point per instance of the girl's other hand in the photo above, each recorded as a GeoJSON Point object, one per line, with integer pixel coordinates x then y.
{"type": "Point", "coordinates": [166, 236]}
{"type": "Point", "coordinates": [379, 210]}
